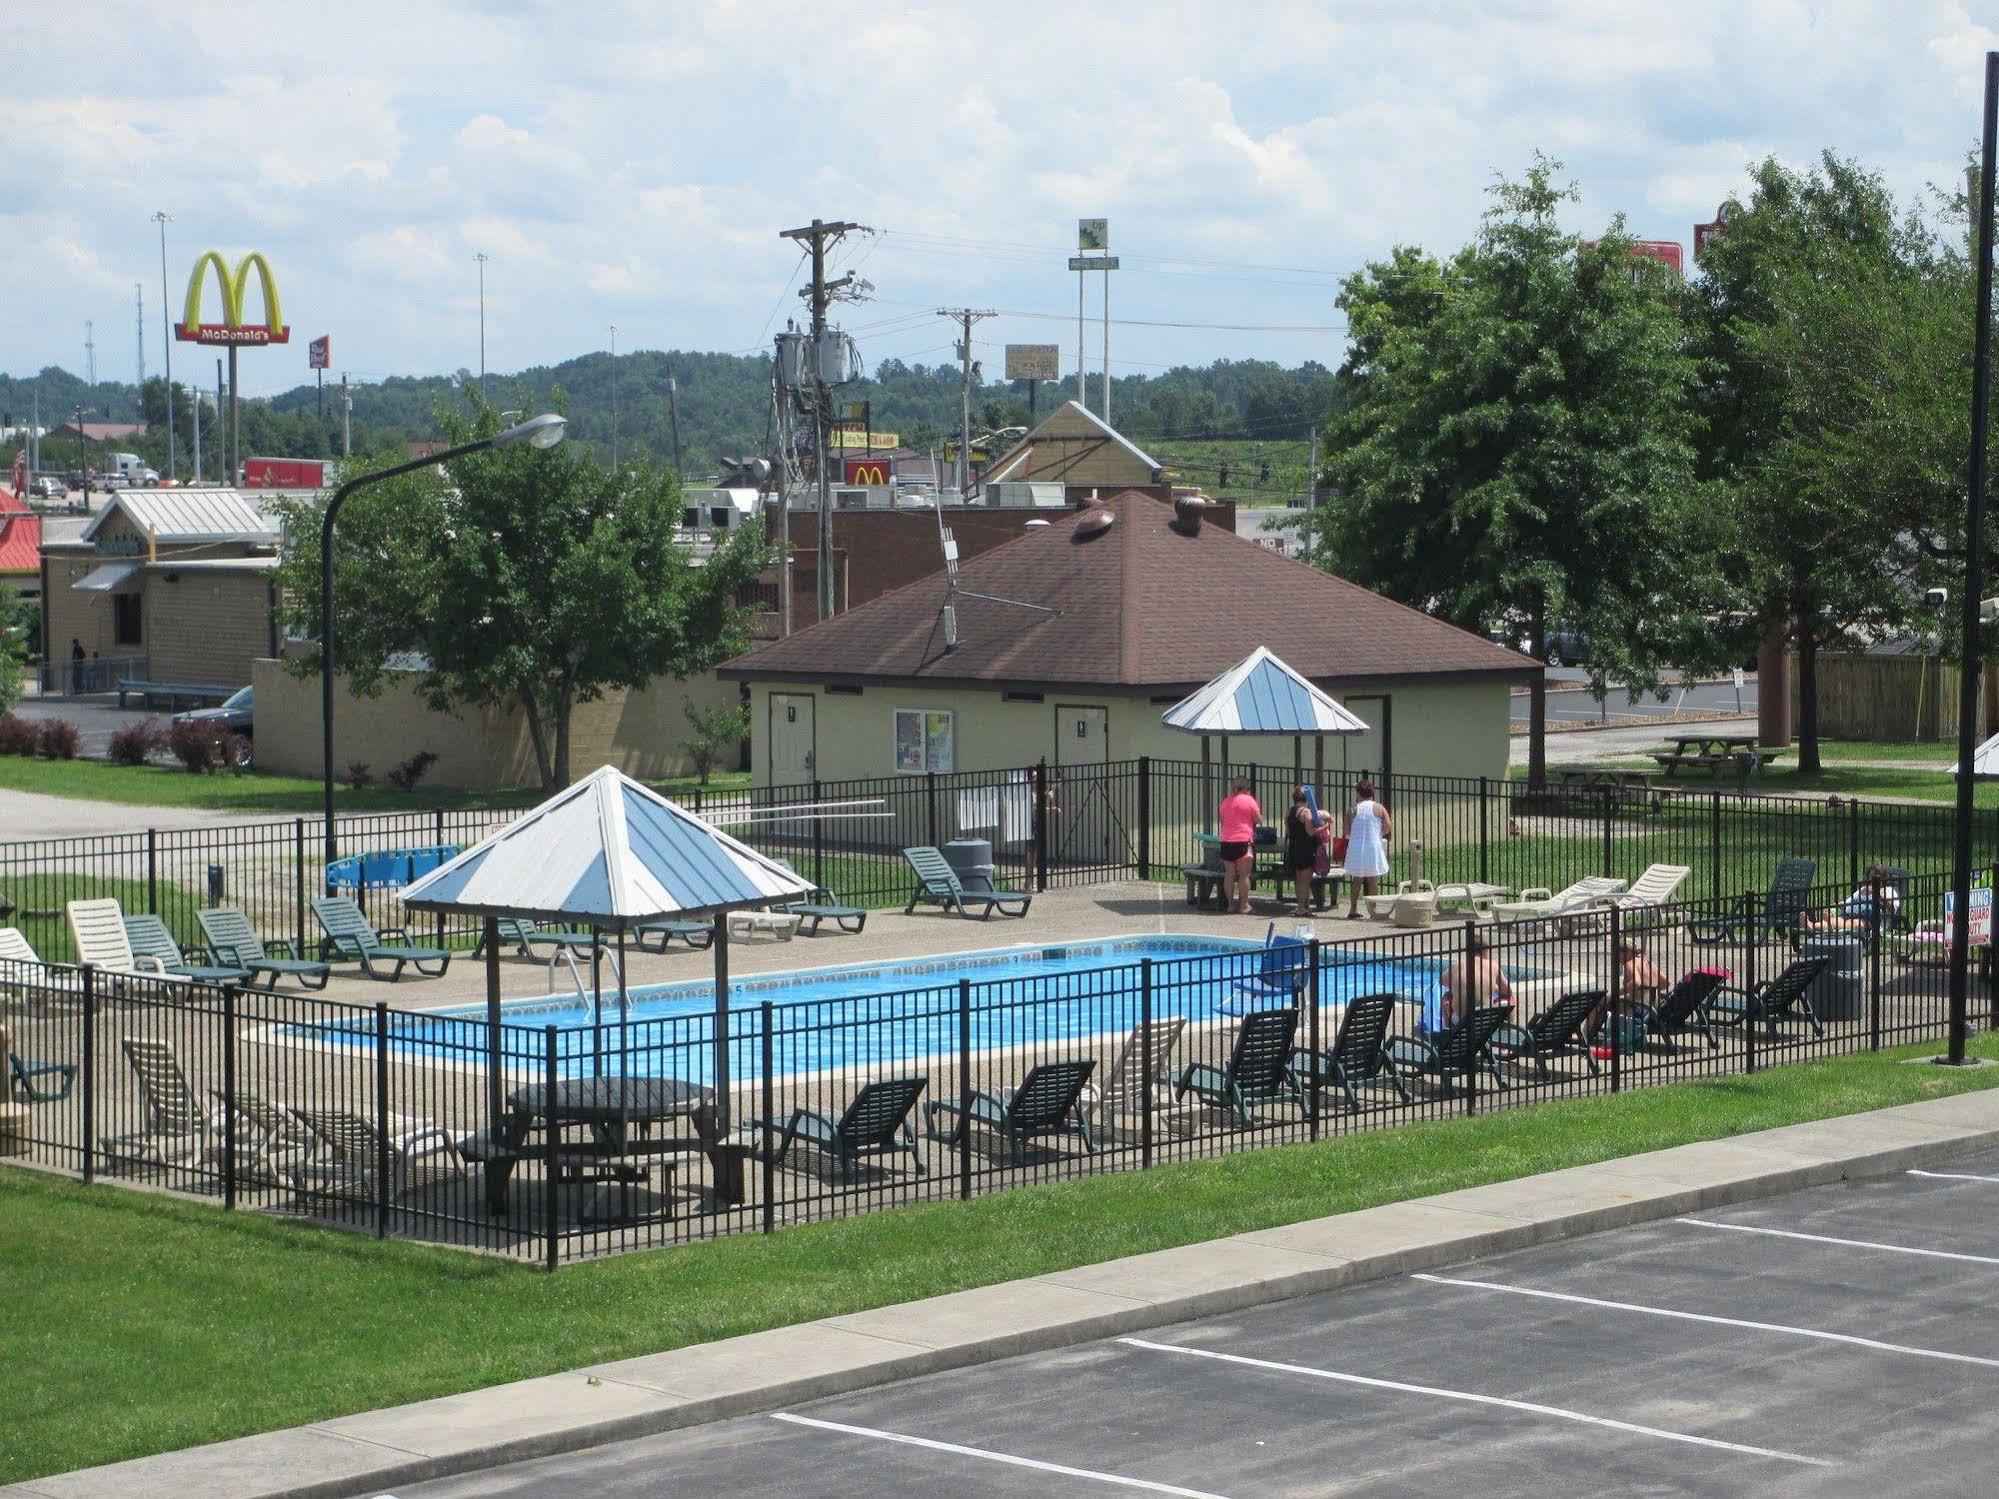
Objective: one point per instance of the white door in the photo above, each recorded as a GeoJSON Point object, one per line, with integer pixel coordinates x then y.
{"type": "Point", "coordinates": [792, 746]}
{"type": "Point", "coordinates": [1084, 828]}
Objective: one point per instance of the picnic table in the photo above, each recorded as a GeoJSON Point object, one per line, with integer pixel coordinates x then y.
{"type": "Point", "coordinates": [618, 1113]}
{"type": "Point", "coordinates": [1713, 753]}
{"type": "Point", "coordinates": [1204, 880]}
{"type": "Point", "coordinates": [1626, 787]}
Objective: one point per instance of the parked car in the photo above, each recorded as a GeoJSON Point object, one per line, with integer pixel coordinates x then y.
{"type": "Point", "coordinates": [48, 487]}
{"type": "Point", "coordinates": [1567, 647]}
{"type": "Point", "coordinates": [233, 716]}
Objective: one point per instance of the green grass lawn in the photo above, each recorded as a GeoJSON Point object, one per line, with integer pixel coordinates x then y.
{"type": "Point", "coordinates": [170, 786]}
{"type": "Point", "coordinates": [138, 1324]}
{"type": "Point", "coordinates": [1836, 778]}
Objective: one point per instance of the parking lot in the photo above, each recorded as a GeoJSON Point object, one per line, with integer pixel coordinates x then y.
{"type": "Point", "coordinates": [1835, 1341]}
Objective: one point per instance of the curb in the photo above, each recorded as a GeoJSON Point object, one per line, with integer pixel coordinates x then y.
{"type": "Point", "coordinates": [481, 1429]}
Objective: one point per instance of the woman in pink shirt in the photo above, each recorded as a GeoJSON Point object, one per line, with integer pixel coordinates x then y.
{"type": "Point", "coordinates": [1238, 816]}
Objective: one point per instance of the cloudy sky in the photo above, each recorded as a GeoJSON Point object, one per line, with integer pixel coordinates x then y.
{"type": "Point", "coordinates": [631, 163]}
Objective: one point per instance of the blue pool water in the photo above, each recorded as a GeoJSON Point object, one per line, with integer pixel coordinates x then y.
{"type": "Point", "coordinates": [869, 1016]}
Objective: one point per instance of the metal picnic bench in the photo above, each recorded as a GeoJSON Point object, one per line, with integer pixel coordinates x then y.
{"type": "Point", "coordinates": [176, 693]}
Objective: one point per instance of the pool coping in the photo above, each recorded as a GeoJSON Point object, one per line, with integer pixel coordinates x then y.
{"type": "Point", "coordinates": [482, 1429]}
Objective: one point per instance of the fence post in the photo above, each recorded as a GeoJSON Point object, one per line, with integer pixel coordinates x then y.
{"type": "Point", "coordinates": [1485, 830]}
{"type": "Point", "coordinates": [1985, 965]}
{"type": "Point", "coordinates": [89, 1073]}
{"type": "Point", "coordinates": [1874, 987]}
{"type": "Point", "coordinates": [770, 1115]}
{"type": "Point", "coordinates": [1853, 842]}
{"type": "Point", "coordinates": [929, 807]}
{"type": "Point", "coordinates": [1312, 1038]}
{"type": "Point", "coordinates": [1614, 999]}
{"type": "Point", "coordinates": [1608, 803]}
{"type": "Point", "coordinates": [1145, 1062]}
{"type": "Point", "coordinates": [1144, 817]}
{"type": "Point", "coordinates": [1041, 824]}
{"type": "Point", "coordinates": [1471, 1058]}
{"type": "Point", "coordinates": [965, 1088]}
{"type": "Point", "coordinates": [153, 871]}
{"type": "Point", "coordinates": [381, 1119]}
{"type": "Point", "coordinates": [298, 867]}
{"type": "Point", "coordinates": [551, 1139]}
{"type": "Point", "coordinates": [228, 1096]}
{"type": "Point", "coordinates": [1714, 844]}
{"type": "Point", "coordinates": [819, 840]}
{"type": "Point", "coordinates": [1748, 989]}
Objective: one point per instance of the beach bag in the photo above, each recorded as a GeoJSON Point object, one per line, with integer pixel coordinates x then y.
{"type": "Point", "coordinates": [1339, 848]}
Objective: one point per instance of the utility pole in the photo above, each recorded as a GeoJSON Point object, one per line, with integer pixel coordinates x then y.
{"type": "Point", "coordinates": [781, 399]}
{"type": "Point", "coordinates": [346, 419]}
{"type": "Point", "coordinates": [965, 317]}
{"type": "Point", "coordinates": [90, 354]}
{"type": "Point", "coordinates": [139, 321]}
{"type": "Point", "coordinates": [818, 237]}
{"type": "Point", "coordinates": [163, 218]}
{"type": "Point", "coordinates": [481, 258]}
{"type": "Point", "coordinates": [194, 390]}
{"type": "Point", "coordinates": [614, 396]}
{"type": "Point", "coordinates": [673, 414]}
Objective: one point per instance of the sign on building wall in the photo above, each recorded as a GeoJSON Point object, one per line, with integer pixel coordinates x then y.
{"type": "Point", "coordinates": [854, 435]}
{"type": "Point", "coordinates": [867, 471]}
{"type": "Point", "coordinates": [1034, 361]}
{"type": "Point", "coordinates": [923, 741]}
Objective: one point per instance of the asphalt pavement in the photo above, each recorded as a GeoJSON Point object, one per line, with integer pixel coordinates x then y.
{"type": "Point", "coordinates": [1569, 701]}
{"type": "Point", "coordinates": [1842, 1340]}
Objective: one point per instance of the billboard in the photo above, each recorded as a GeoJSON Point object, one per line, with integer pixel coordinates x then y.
{"type": "Point", "coordinates": [868, 471]}
{"type": "Point", "coordinates": [319, 353]}
{"type": "Point", "coordinates": [1034, 361]}
{"type": "Point", "coordinates": [232, 329]}
{"type": "Point", "coordinates": [1093, 234]}
{"type": "Point", "coordinates": [854, 435]}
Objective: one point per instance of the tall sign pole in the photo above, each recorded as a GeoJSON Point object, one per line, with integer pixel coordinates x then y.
{"type": "Point", "coordinates": [1093, 238]}
{"type": "Point", "coordinates": [1974, 561]}
{"type": "Point", "coordinates": [163, 218]}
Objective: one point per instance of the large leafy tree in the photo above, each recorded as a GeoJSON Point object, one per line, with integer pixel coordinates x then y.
{"type": "Point", "coordinates": [1515, 444]}
{"type": "Point", "coordinates": [1835, 329]}
{"type": "Point", "coordinates": [523, 578]}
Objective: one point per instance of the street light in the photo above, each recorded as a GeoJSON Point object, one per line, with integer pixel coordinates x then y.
{"type": "Point", "coordinates": [543, 431]}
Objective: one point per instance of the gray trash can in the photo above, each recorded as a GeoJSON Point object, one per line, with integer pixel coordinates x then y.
{"type": "Point", "coordinates": [972, 860]}
{"type": "Point", "coordinates": [1839, 993]}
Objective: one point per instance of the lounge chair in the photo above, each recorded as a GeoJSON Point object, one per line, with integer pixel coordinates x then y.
{"type": "Point", "coordinates": [272, 1142]}
{"type": "Point", "coordinates": [232, 939]}
{"type": "Point", "coordinates": [1650, 891]}
{"type": "Point", "coordinates": [37, 982]}
{"type": "Point", "coordinates": [782, 925]}
{"type": "Point", "coordinates": [151, 941]}
{"type": "Point", "coordinates": [1682, 1008]}
{"type": "Point", "coordinates": [1258, 1071]}
{"type": "Point", "coordinates": [177, 1129]}
{"type": "Point", "coordinates": [824, 905]}
{"type": "Point", "coordinates": [1778, 913]}
{"type": "Point", "coordinates": [28, 1078]}
{"type": "Point", "coordinates": [1536, 902]}
{"type": "Point", "coordinates": [1445, 1056]}
{"type": "Point", "coordinates": [525, 937]}
{"type": "Point", "coordinates": [657, 936]}
{"type": "Point", "coordinates": [1556, 1032]}
{"type": "Point", "coordinates": [875, 1123]}
{"type": "Point", "coordinates": [97, 927]}
{"type": "Point", "coordinates": [1771, 1000]}
{"type": "Point", "coordinates": [1047, 1102]}
{"type": "Point", "coordinates": [1146, 1052]}
{"type": "Point", "coordinates": [350, 934]}
{"type": "Point", "coordinates": [1280, 977]}
{"type": "Point", "coordinates": [1382, 906]}
{"type": "Point", "coordinates": [1359, 1053]}
{"type": "Point", "coordinates": [937, 884]}
{"type": "Point", "coordinates": [344, 1160]}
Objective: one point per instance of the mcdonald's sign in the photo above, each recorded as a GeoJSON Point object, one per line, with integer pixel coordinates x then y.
{"type": "Point", "coordinates": [232, 329]}
{"type": "Point", "coordinates": [868, 471]}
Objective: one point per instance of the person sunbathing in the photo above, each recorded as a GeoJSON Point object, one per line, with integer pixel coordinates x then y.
{"type": "Point", "coordinates": [1872, 906]}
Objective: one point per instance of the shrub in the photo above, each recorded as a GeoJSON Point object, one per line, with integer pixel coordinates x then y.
{"type": "Point", "coordinates": [18, 736]}
{"type": "Point", "coordinates": [198, 746]}
{"type": "Point", "coordinates": [405, 776]}
{"type": "Point", "coordinates": [716, 729]}
{"type": "Point", "coordinates": [134, 744]}
{"type": "Point", "coordinates": [59, 739]}
{"type": "Point", "coordinates": [359, 776]}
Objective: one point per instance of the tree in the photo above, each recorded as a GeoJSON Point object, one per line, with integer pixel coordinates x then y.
{"type": "Point", "coordinates": [716, 728]}
{"type": "Point", "coordinates": [1514, 442]}
{"type": "Point", "coordinates": [1835, 327]}
{"type": "Point", "coordinates": [525, 578]}
{"type": "Point", "coordinates": [19, 621]}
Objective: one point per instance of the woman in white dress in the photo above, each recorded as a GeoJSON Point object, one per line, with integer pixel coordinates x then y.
{"type": "Point", "coordinates": [1367, 828]}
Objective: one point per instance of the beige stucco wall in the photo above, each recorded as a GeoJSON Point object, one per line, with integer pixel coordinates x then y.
{"type": "Point", "coordinates": [639, 732]}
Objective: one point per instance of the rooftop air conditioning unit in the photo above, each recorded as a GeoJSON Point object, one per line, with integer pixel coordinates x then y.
{"type": "Point", "coordinates": [1022, 495]}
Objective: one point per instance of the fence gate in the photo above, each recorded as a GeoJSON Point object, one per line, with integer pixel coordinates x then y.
{"type": "Point", "coordinates": [1086, 828]}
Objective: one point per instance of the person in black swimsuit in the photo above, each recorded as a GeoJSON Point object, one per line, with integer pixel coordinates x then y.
{"type": "Point", "coordinates": [1301, 849]}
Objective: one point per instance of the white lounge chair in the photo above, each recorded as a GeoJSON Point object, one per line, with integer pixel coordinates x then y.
{"type": "Point", "coordinates": [98, 929]}
{"type": "Point", "coordinates": [271, 1141]}
{"type": "Point", "coordinates": [1650, 891]}
{"type": "Point", "coordinates": [1119, 1105]}
{"type": "Point", "coordinates": [783, 925]}
{"type": "Point", "coordinates": [1383, 905]}
{"type": "Point", "coordinates": [176, 1128]}
{"type": "Point", "coordinates": [24, 975]}
{"type": "Point", "coordinates": [348, 1148]}
{"type": "Point", "coordinates": [1584, 895]}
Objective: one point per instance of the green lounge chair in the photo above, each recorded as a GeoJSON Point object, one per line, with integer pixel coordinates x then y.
{"type": "Point", "coordinates": [1446, 1056]}
{"type": "Point", "coordinates": [693, 933]}
{"type": "Point", "coordinates": [28, 1078]}
{"type": "Point", "coordinates": [1047, 1102]}
{"type": "Point", "coordinates": [232, 939]}
{"type": "Point", "coordinates": [350, 934]}
{"type": "Point", "coordinates": [937, 884]}
{"type": "Point", "coordinates": [525, 936]}
{"type": "Point", "coordinates": [875, 1123]}
{"type": "Point", "coordinates": [824, 905]}
{"type": "Point", "coordinates": [151, 941]}
{"type": "Point", "coordinates": [1682, 1008]}
{"type": "Point", "coordinates": [1778, 914]}
{"type": "Point", "coordinates": [1258, 1071]}
{"type": "Point", "coordinates": [1359, 1053]}
{"type": "Point", "coordinates": [1556, 1032]}
{"type": "Point", "coordinates": [1771, 1000]}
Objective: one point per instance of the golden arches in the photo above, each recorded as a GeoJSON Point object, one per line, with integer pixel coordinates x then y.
{"type": "Point", "coordinates": [233, 288]}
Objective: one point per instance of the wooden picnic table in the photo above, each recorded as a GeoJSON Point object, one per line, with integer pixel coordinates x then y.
{"type": "Point", "coordinates": [1713, 753]}
{"type": "Point", "coordinates": [1204, 880]}
{"type": "Point", "coordinates": [1627, 787]}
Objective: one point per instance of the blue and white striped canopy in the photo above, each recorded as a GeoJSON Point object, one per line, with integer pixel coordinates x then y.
{"type": "Point", "coordinates": [1260, 695]}
{"type": "Point", "coordinates": [607, 853]}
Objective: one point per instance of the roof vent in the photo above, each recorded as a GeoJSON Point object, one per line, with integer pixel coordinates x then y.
{"type": "Point", "coordinates": [1039, 525]}
{"type": "Point", "coordinates": [1094, 524]}
{"type": "Point", "coordinates": [1187, 512]}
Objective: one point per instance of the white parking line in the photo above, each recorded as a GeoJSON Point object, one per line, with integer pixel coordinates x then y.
{"type": "Point", "coordinates": [1529, 1406]}
{"type": "Point", "coordinates": [1955, 1176]}
{"type": "Point", "coordinates": [1788, 1233]}
{"type": "Point", "coordinates": [1145, 1485]}
{"type": "Point", "coordinates": [1875, 1344]}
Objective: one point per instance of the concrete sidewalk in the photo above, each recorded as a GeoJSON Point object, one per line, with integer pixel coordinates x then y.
{"type": "Point", "coordinates": [370, 1453]}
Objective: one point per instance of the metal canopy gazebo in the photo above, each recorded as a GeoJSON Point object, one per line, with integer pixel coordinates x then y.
{"type": "Point", "coordinates": [1260, 695]}
{"type": "Point", "coordinates": [610, 854]}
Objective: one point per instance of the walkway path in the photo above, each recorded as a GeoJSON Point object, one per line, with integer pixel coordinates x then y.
{"type": "Point", "coordinates": [30, 814]}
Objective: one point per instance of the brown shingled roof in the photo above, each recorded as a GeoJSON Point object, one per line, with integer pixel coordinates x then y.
{"type": "Point", "coordinates": [1142, 606]}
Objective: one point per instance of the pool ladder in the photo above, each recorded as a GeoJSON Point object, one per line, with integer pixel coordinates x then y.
{"type": "Point", "coordinates": [577, 978]}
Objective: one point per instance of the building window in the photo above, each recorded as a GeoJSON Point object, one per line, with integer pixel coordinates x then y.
{"type": "Point", "coordinates": [125, 618]}
{"type": "Point", "coordinates": [924, 741]}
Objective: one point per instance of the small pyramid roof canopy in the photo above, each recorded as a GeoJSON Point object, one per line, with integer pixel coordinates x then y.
{"type": "Point", "coordinates": [609, 853]}
{"type": "Point", "coordinates": [1260, 695]}
{"type": "Point", "coordinates": [1985, 759]}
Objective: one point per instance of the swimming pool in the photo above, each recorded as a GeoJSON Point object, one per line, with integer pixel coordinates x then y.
{"type": "Point", "coordinates": [867, 1016]}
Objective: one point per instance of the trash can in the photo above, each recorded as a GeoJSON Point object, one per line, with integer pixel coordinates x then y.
{"type": "Point", "coordinates": [971, 859]}
{"type": "Point", "coordinates": [1839, 993]}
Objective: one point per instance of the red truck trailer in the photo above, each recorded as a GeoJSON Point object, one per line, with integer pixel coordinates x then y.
{"type": "Point", "coordinates": [284, 473]}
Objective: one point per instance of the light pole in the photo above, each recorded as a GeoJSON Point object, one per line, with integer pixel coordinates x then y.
{"type": "Point", "coordinates": [481, 258]}
{"type": "Point", "coordinates": [163, 218]}
{"type": "Point", "coordinates": [537, 431]}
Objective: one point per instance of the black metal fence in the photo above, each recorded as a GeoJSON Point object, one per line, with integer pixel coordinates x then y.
{"type": "Point", "coordinates": [572, 1131]}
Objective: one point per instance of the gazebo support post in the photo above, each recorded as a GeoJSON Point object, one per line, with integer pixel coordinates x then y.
{"type": "Point", "coordinates": [721, 945]}
{"type": "Point", "coordinates": [1297, 760]}
{"type": "Point", "coordinates": [496, 1085]}
{"type": "Point", "coordinates": [1207, 777]}
{"type": "Point", "coordinates": [1319, 767]}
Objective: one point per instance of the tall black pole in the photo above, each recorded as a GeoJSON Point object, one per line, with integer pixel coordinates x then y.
{"type": "Point", "coordinates": [1974, 585]}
